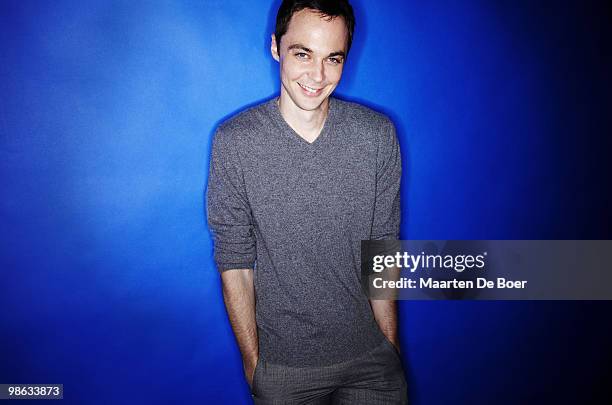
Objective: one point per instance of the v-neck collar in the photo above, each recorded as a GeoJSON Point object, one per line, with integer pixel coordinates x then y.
{"type": "Point", "coordinates": [325, 131]}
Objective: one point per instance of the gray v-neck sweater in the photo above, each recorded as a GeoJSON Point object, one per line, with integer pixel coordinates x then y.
{"type": "Point", "coordinates": [296, 213]}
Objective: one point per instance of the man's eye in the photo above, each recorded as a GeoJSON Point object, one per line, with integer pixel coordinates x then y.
{"type": "Point", "coordinates": [335, 61]}
{"type": "Point", "coordinates": [301, 55]}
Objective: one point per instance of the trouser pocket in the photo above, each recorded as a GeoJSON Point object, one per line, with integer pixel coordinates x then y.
{"type": "Point", "coordinates": [391, 347]}
{"type": "Point", "coordinates": [255, 375]}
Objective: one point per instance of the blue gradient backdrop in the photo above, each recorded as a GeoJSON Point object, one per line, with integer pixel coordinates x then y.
{"type": "Point", "coordinates": [107, 109]}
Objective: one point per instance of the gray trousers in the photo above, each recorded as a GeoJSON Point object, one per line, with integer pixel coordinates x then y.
{"type": "Point", "coordinates": [376, 377]}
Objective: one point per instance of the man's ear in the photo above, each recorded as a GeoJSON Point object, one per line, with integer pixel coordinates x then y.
{"type": "Point", "coordinates": [274, 49]}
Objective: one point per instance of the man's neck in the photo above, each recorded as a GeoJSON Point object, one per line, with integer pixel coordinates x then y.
{"type": "Point", "coordinates": [307, 124]}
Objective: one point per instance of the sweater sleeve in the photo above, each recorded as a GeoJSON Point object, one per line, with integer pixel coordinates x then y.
{"type": "Point", "coordinates": [386, 220]}
{"type": "Point", "coordinates": [229, 213]}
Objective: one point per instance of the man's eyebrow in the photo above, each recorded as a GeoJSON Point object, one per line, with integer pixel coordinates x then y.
{"type": "Point", "coordinates": [299, 46]}
{"type": "Point", "coordinates": [305, 49]}
{"type": "Point", "coordinates": [337, 53]}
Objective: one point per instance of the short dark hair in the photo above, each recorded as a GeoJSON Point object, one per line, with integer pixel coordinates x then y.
{"type": "Point", "coordinates": [327, 8]}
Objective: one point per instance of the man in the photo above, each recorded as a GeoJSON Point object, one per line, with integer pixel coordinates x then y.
{"type": "Point", "coordinates": [295, 184]}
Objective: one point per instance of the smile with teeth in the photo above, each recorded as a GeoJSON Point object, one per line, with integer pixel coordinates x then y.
{"type": "Point", "coordinates": [310, 90]}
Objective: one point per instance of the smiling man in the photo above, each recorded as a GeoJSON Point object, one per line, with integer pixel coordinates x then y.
{"type": "Point", "coordinates": [295, 184]}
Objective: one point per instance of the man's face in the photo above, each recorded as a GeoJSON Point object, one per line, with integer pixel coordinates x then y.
{"type": "Point", "coordinates": [311, 56]}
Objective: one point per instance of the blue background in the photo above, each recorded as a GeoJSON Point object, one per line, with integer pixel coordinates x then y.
{"type": "Point", "coordinates": [107, 109]}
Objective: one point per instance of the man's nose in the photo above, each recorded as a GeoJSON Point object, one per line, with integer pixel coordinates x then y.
{"type": "Point", "coordinates": [317, 72]}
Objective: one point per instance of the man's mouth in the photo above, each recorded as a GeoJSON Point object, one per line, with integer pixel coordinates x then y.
{"type": "Point", "coordinates": [309, 90]}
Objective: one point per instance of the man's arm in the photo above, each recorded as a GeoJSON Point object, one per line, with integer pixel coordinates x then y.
{"type": "Point", "coordinates": [231, 224]}
{"type": "Point", "coordinates": [239, 297]}
{"type": "Point", "coordinates": [386, 224]}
